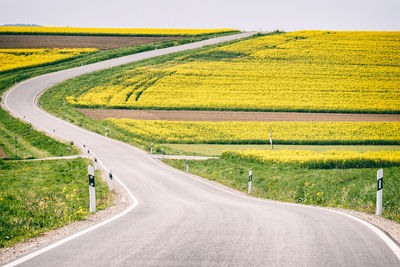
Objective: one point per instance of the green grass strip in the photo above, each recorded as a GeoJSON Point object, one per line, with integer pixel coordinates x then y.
{"type": "Point", "coordinates": [342, 188]}
{"type": "Point", "coordinates": [31, 143]}
{"type": "Point", "coordinates": [38, 196]}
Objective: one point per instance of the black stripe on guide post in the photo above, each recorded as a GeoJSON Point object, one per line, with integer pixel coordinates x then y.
{"type": "Point", "coordinates": [380, 184]}
{"type": "Point", "coordinates": [110, 175]}
{"type": "Point", "coordinates": [91, 180]}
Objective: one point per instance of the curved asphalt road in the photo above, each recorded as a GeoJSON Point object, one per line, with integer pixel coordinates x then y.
{"type": "Point", "coordinates": [183, 220]}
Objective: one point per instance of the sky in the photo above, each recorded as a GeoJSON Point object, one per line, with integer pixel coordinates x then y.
{"type": "Point", "coordinates": [264, 15]}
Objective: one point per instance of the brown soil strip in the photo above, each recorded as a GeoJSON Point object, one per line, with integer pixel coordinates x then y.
{"type": "Point", "coordinates": [56, 41]}
{"type": "Point", "coordinates": [2, 154]}
{"type": "Point", "coordinates": [194, 115]}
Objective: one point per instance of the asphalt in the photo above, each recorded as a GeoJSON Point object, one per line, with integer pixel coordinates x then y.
{"type": "Point", "coordinates": [181, 220]}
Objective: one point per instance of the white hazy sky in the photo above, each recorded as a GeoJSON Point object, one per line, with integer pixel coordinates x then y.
{"type": "Point", "coordinates": [266, 15]}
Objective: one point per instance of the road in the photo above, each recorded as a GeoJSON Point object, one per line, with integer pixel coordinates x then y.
{"type": "Point", "coordinates": [183, 220]}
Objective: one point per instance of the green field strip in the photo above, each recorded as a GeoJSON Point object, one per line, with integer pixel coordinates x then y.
{"type": "Point", "coordinates": [28, 150]}
{"type": "Point", "coordinates": [39, 196]}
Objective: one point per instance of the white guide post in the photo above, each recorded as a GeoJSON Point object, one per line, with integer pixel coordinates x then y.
{"type": "Point", "coordinates": [162, 153]}
{"type": "Point", "coordinates": [110, 180]}
{"type": "Point", "coordinates": [379, 177]}
{"type": "Point", "coordinates": [92, 191]}
{"type": "Point", "coordinates": [270, 140]}
{"type": "Point", "coordinates": [187, 165]}
{"type": "Point", "coordinates": [250, 179]}
{"type": "Point", "coordinates": [105, 133]}
{"type": "Point", "coordinates": [151, 148]}
{"type": "Point", "coordinates": [16, 145]}
{"type": "Point", "coordinates": [67, 116]}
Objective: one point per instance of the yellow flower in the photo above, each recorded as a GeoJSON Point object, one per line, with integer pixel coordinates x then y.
{"type": "Point", "coordinates": [318, 158]}
{"type": "Point", "coordinates": [350, 71]}
{"type": "Point", "coordinates": [239, 131]}
{"type": "Point", "coordinates": [20, 58]}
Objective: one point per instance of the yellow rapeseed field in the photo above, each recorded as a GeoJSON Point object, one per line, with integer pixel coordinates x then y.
{"type": "Point", "coordinates": [328, 159]}
{"type": "Point", "coordinates": [258, 132]}
{"type": "Point", "coordinates": [20, 58]}
{"type": "Point", "coordinates": [298, 71]}
{"type": "Point", "coordinates": [108, 31]}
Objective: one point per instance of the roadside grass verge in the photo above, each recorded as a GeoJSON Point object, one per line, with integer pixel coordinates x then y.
{"type": "Point", "coordinates": [342, 188]}
{"type": "Point", "coordinates": [38, 196]}
{"type": "Point", "coordinates": [30, 143]}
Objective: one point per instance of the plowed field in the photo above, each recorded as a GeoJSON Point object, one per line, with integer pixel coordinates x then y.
{"type": "Point", "coordinates": [55, 41]}
{"type": "Point", "coordinates": [193, 115]}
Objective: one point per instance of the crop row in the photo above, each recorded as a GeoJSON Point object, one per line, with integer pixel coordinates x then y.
{"type": "Point", "coordinates": [108, 31]}
{"type": "Point", "coordinates": [320, 160]}
{"type": "Point", "coordinates": [300, 71]}
{"type": "Point", "coordinates": [258, 132]}
{"type": "Point", "coordinates": [20, 58]}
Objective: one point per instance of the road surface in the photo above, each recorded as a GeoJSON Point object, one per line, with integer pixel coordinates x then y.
{"type": "Point", "coordinates": [183, 220]}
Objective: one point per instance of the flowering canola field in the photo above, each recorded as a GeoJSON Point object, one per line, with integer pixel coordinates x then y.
{"type": "Point", "coordinates": [258, 132]}
{"type": "Point", "coordinates": [328, 159]}
{"type": "Point", "coordinates": [20, 58]}
{"type": "Point", "coordinates": [298, 71]}
{"type": "Point", "coordinates": [107, 31]}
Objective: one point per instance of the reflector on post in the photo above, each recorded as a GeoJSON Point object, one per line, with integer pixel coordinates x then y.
{"type": "Point", "coordinates": [92, 191]}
